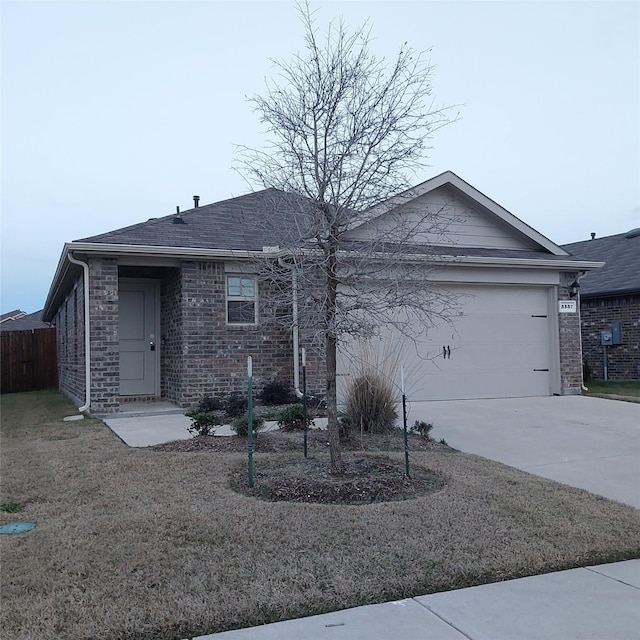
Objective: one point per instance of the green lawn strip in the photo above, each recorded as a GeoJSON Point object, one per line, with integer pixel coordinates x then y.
{"type": "Point", "coordinates": [628, 391]}
{"type": "Point", "coordinates": [134, 543]}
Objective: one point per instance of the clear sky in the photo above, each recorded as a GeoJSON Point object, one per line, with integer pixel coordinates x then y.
{"type": "Point", "coordinates": [114, 112]}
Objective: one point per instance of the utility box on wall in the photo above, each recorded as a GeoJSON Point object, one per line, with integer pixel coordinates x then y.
{"type": "Point", "coordinates": [616, 332]}
{"type": "Point", "coordinates": [606, 337]}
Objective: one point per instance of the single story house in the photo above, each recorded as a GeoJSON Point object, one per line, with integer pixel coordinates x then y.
{"type": "Point", "coordinates": [610, 300]}
{"type": "Point", "coordinates": [170, 308]}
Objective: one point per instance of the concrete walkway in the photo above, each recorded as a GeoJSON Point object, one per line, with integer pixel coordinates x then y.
{"type": "Point", "coordinates": [601, 602]}
{"type": "Point", "coordinates": [148, 424]}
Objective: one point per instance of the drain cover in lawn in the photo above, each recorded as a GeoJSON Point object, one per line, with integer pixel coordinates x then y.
{"type": "Point", "coordinates": [16, 527]}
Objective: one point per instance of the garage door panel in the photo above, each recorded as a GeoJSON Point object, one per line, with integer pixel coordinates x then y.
{"type": "Point", "coordinates": [516, 330]}
{"type": "Point", "coordinates": [472, 386]}
{"type": "Point", "coordinates": [498, 345]}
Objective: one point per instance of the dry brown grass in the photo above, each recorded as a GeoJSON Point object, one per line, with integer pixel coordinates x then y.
{"type": "Point", "coordinates": [147, 544]}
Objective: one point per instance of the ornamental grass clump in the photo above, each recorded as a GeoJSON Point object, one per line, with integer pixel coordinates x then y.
{"type": "Point", "coordinates": [371, 403]}
{"type": "Point", "coordinates": [372, 396]}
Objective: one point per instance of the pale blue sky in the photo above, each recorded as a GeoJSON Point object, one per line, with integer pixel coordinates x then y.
{"type": "Point", "coordinates": [115, 112]}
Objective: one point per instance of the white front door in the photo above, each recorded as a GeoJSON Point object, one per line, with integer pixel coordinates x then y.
{"type": "Point", "coordinates": [137, 323]}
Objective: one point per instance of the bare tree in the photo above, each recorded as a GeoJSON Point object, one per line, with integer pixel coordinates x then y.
{"type": "Point", "coordinates": [347, 130]}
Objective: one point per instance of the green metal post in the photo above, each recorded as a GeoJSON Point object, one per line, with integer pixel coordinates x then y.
{"type": "Point", "coordinates": [304, 399]}
{"type": "Point", "coordinates": [250, 422]}
{"type": "Point", "coordinates": [404, 420]}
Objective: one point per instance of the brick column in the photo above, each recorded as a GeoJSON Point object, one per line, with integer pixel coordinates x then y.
{"type": "Point", "coordinates": [105, 359]}
{"type": "Point", "coordinates": [570, 341]}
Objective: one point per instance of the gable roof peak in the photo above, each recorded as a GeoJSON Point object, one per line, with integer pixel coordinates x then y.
{"type": "Point", "coordinates": [464, 188]}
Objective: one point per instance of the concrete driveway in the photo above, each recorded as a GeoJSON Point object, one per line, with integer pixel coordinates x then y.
{"type": "Point", "coordinates": [590, 443]}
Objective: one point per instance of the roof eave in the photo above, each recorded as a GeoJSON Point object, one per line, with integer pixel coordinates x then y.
{"type": "Point", "coordinates": [488, 261]}
{"type": "Point", "coordinates": [587, 295]}
{"type": "Point", "coordinates": [96, 248]}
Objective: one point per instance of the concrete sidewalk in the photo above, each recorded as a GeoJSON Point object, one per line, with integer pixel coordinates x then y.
{"type": "Point", "coordinates": [601, 602]}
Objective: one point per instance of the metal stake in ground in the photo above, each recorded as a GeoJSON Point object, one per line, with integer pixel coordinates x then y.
{"type": "Point", "coordinates": [304, 398]}
{"type": "Point", "coordinates": [250, 422]}
{"type": "Point", "coordinates": [404, 421]}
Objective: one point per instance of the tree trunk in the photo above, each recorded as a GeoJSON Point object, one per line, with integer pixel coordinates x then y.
{"type": "Point", "coordinates": [337, 465]}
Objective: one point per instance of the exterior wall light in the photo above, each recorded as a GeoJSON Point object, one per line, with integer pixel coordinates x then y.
{"type": "Point", "coordinates": [574, 289]}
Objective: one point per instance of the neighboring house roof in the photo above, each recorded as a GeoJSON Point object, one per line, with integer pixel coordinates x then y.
{"type": "Point", "coordinates": [23, 322]}
{"type": "Point", "coordinates": [12, 315]}
{"type": "Point", "coordinates": [621, 272]}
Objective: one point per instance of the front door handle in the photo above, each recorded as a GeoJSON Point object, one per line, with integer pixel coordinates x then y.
{"type": "Point", "coordinates": [152, 346]}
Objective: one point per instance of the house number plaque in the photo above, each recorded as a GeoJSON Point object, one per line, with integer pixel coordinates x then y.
{"type": "Point", "coordinates": [567, 306]}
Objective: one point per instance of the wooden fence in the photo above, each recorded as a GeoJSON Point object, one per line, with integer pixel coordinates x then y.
{"type": "Point", "coordinates": [28, 360]}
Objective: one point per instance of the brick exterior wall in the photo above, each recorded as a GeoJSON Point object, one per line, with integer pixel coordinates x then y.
{"type": "Point", "coordinates": [69, 322]}
{"type": "Point", "coordinates": [202, 355]}
{"type": "Point", "coordinates": [171, 335]}
{"type": "Point", "coordinates": [569, 341]}
{"type": "Point", "coordinates": [597, 315]}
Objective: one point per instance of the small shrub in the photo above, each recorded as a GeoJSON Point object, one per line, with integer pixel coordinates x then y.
{"type": "Point", "coordinates": [10, 507]}
{"type": "Point", "coordinates": [422, 428]}
{"type": "Point", "coordinates": [371, 402]}
{"type": "Point", "coordinates": [211, 403]}
{"type": "Point", "coordinates": [275, 393]}
{"type": "Point", "coordinates": [235, 404]}
{"type": "Point", "coordinates": [293, 419]}
{"type": "Point", "coordinates": [345, 425]}
{"type": "Point", "coordinates": [240, 425]}
{"type": "Point", "coordinates": [203, 423]}
{"type": "Point", "coordinates": [587, 374]}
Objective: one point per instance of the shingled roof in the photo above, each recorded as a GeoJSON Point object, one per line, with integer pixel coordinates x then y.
{"type": "Point", "coordinates": [23, 321]}
{"type": "Point", "coordinates": [621, 273]}
{"type": "Point", "coordinates": [246, 223]}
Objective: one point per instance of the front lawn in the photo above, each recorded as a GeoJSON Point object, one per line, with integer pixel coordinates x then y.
{"type": "Point", "coordinates": [137, 543]}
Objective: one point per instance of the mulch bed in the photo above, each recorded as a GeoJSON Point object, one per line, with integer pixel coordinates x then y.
{"type": "Point", "coordinates": [283, 441]}
{"type": "Point", "coordinates": [368, 477]}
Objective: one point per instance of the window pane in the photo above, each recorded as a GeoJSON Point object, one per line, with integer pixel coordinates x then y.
{"type": "Point", "coordinates": [248, 288]}
{"type": "Point", "coordinates": [241, 312]}
{"type": "Point", "coordinates": [234, 286]}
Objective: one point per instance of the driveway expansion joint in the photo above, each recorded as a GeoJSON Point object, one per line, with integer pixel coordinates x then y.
{"type": "Point", "coordinates": [604, 575]}
{"type": "Point", "coordinates": [447, 622]}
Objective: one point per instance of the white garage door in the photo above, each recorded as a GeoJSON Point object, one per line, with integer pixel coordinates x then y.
{"type": "Point", "coordinates": [499, 346]}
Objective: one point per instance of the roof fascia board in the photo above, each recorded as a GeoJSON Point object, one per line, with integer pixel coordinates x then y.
{"type": "Point", "coordinates": [173, 252]}
{"type": "Point", "coordinates": [95, 248]}
{"type": "Point", "coordinates": [486, 261]}
{"type": "Point", "coordinates": [61, 271]}
{"type": "Point", "coordinates": [507, 217]}
{"type": "Point", "coordinates": [565, 265]}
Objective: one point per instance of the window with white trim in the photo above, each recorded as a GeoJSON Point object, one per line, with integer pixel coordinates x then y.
{"type": "Point", "coordinates": [242, 307]}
